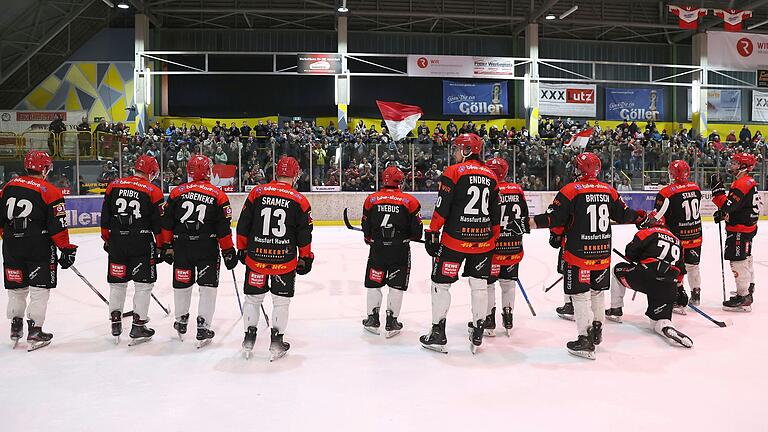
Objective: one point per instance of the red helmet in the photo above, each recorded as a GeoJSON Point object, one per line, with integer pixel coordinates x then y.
{"type": "Point", "coordinates": [148, 165]}
{"type": "Point", "coordinates": [199, 168]}
{"type": "Point", "coordinates": [469, 143]}
{"type": "Point", "coordinates": [499, 166]}
{"type": "Point", "coordinates": [679, 171]}
{"type": "Point", "coordinates": [746, 161]}
{"type": "Point", "coordinates": [38, 161]}
{"type": "Point", "coordinates": [287, 167]}
{"type": "Point", "coordinates": [587, 166]}
{"type": "Point", "coordinates": [392, 176]}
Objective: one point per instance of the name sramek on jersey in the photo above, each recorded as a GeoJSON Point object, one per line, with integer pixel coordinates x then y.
{"type": "Point", "coordinates": [195, 196]}
{"type": "Point", "coordinates": [597, 198]}
{"type": "Point", "coordinates": [483, 180]}
{"type": "Point", "coordinates": [128, 193]}
{"type": "Point", "coordinates": [388, 208]}
{"type": "Point", "coordinates": [274, 201]}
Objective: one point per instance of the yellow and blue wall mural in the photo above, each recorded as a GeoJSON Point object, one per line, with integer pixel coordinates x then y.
{"type": "Point", "coordinates": [101, 89]}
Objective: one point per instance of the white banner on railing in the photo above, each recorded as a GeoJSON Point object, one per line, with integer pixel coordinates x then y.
{"type": "Point", "coordinates": [737, 51]}
{"type": "Point", "coordinates": [759, 106]}
{"type": "Point", "coordinates": [571, 100]}
{"type": "Point", "coordinates": [460, 66]}
{"type": "Point", "coordinates": [19, 122]}
{"type": "Point", "coordinates": [722, 105]}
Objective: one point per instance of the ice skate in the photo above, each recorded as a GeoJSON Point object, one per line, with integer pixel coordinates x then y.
{"type": "Point", "coordinates": [392, 326]}
{"type": "Point", "coordinates": [596, 332]}
{"type": "Point", "coordinates": [675, 337]}
{"type": "Point", "coordinates": [738, 303]}
{"type": "Point", "coordinates": [435, 340]}
{"type": "Point", "coordinates": [17, 330]}
{"type": "Point", "coordinates": [204, 334]}
{"type": "Point", "coordinates": [490, 323]}
{"type": "Point", "coordinates": [507, 320]}
{"type": "Point", "coordinates": [36, 337]}
{"type": "Point", "coordinates": [695, 296]}
{"type": "Point", "coordinates": [372, 323]}
{"type": "Point", "coordinates": [680, 310]}
{"type": "Point", "coordinates": [565, 311]}
{"type": "Point", "coordinates": [140, 333]}
{"type": "Point", "coordinates": [614, 314]}
{"type": "Point", "coordinates": [181, 326]}
{"type": "Point", "coordinates": [475, 331]}
{"type": "Point", "coordinates": [751, 290]}
{"type": "Point", "coordinates": [582, 347]}
{"type": "Point", "coordinates": [249, 341]}
{"type": "Point", "coordinates": [116, 318]}
{"type": "Point", "coordinates": [277, 348]}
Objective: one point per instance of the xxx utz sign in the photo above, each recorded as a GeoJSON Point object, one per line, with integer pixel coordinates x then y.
{"type": "Point", "coordinates": [570, 100]}
{"type": "Point", "coordinates": [759, 106]}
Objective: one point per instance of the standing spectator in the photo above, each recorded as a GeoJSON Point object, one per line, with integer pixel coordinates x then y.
{"type": "Point", "coordinates": [745, 136]}
{"type": "Point", "coordinates": [245, 130]}
{"type": "Point", "coordinates": [56, 127]}
{"type": "Point", "coordinates": [220, 158]}
{"type": "Point", "coordinates": [84, 137]}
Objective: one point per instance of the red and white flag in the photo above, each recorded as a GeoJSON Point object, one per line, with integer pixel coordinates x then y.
{"type": "Point", "coordinates": [580, 139]}
{"type": "Point", "coordinates": [689, 16]}
{"type": "Point", "coordinates": [733, 18]}
{"type": "Point", "coordinates": [400, 118]}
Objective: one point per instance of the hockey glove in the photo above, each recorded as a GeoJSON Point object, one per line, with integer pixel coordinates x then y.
{"type": "Point", "coordinates": [166, 254]}
{"type": "Point", "coordinates": [519, 226]}
{"type": "Point", "coordinates": [304, 265]}
{"type": "Point", "coordinates": [67, 258]}
{"type": "Point", "coordinates": [719, 216]}
{"type": "Point", "coordinates": [432, 242]}
{"type": "Point", "coordinates": [230, 258]}
{"type": "Point", "coordinates": [241, 256]}
{"type": "Point", "coordinates": [716, 185]}
{"type": "Point", "coordinates": [106, 247]}
{"type": "Point", "coordinates": [682, 297]}
{"type": "Point", "coordinates": [555, 240]}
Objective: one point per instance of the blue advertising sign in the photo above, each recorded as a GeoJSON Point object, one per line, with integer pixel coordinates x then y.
{"type": "Point", "coordinates": [84, 211]}
{"type": "Point", "coordinates": [475, 98]}
{"type": "Point", "coordinates": [634, 104]}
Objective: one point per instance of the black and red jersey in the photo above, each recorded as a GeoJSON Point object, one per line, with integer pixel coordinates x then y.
{"type": "Point", "coordinates": [132, 206]}
{"type": "Point", "coordinates": [31, 208]}
{"type": "Point", "coordinates": [585, 209]}
{"type": "Point", "coordinates": [467, 208]}
{"type": "Point", "coordinates": [679, 204]}
{"type": "Point", "coordinates": [275, 221]}
{"type": "Point", "coordinates": [391, 216]}
{"type": "Point", "coordinates": [512, 206]}
{"type": "Point", "coordinates": [196, 211]}
{"type": "Point", "coordinates": [742, 204]}
{"type": "Point", "coordinates": [658, 249]}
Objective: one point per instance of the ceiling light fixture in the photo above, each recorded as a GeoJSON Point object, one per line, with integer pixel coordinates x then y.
{"type": "Point", "coordinates": [550, 17]}
{"type": "Point", "coordinates": [123, 5]}
{"type": "Point", "coordinates": [569, 11]}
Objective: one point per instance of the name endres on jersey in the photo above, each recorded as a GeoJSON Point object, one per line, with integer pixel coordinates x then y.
{"type": "Point", "coordinates": [478, 179]}
{"type": "Point", "coordinates": [388, 208]}
{"type": "Point", "coordinates": [128, 193]}
{"type": "Point", "coordinates": [196, 196]}
{"type": "Point", "coordinates": [597, 198]}
{"type": "Point", "coordinates": [275, 201]}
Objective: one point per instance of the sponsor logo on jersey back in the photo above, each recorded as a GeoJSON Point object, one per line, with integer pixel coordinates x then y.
{"type": "Point", "coordinates": [451, 269]}
{"type": "Point", "coordinates": [376, 275]}
{"type": "Point", "coordinates": [257, 280]}
{"type": "Point", "coordinates": [117, 270]}
{"type": "Point", "coordinates": [183, 276]}
{"type": "Point", "coordinates": [14, 275]}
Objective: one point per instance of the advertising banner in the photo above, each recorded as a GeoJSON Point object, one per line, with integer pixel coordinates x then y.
{"type": "Point", "coordinates": [318, 64]}
{"type": "Point", "coordinates": [19, 122]}
{"type": "Point", "coordinates": [569, 100]}
{"type": "Point", "coordinates": [475, 98]}
{"type": "Point", "coordinates": [224, 177]}
{"type": "Point", "coordinates": [722, 105]}
{"type": "Point", "coordinates": [640, 104]}
{"type": "Point", "coordinates": [759, 106]}
{"type": "Point", "coordinates": [737, 51]}
{"type": "Point", "coordinates": [493, 67]}
{"type": "Point", "coordinates": [440, 66]}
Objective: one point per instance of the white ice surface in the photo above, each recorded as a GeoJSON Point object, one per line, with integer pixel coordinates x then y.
{"type": "Point", "coordinates": [339, 377]}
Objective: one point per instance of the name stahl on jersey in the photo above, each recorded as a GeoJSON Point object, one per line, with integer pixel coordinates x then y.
{"type": "Point", "coordinates": [585, 209]}
{"type": "Point", "coordinates": [30, 209]}
{"type": "Point", "coordinates": [132, 206]}
{"type": "Point", "coordinates": [197, 211]}
{"type": "Point", "coordinates": [679, 204]}
{"type": "Point", "coordinates": [512, 206]}
{"type": "Point", "coordinates": [659, 250]}
{"type": "Point", "coordinates": [467, 208]}
{"type": "Point", "coordinates": [275, 221]}
{"type": "Point", "coordinates": [391, 217]}
{"type": "Point", "coordinates": [743, 205]}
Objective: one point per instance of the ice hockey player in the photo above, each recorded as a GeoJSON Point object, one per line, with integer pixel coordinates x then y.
{"type": "Point", "coordinates": [276, 221]}
{"type": "Point", "coordinates": [740, 209]}
{"type": "Point", "coordinates": [509, 248]}
{"type": "Point", "coordinates": [679, 203]}
{"type": "Point", "coordinates": [656, 268]}
{"type": "Point", "coordinates": [33, 225]}
{"type": "Point", "coordinates": [391, 219]}
{"type": "Point", "coordinates": [467, 212]}
{"type": "Point", "coordinates": [196, 224]}
{"type": "Point", "coordinates": [131, 228]}
{"type": "Point", "coordinates": [585, 208]}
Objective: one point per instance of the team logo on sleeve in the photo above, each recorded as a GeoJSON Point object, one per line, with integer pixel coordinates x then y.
{"type": "Point", "coordinates": [376, 275]}
{"type": "Point", "coordinates": [257, 280]}
{"type": "Point", "coordinates": [117, 270]}
{"type": "Point", "coordinates": [14, 275]}
{"type": "Point", "coordinates": [450, 269]}
{"type": "Point", "coordinates": [59, 210]}
{"type": "Point", "coordinates": [228, 211]}
{"type": "Point", "coordinates": [183, 276]}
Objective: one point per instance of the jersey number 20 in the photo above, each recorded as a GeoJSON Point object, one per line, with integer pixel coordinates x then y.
{"type": "Point", "coordinates": [476, 195]}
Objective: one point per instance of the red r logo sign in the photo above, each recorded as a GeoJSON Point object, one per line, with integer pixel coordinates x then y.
{"type": "Point", "coordinates": [422, 62]}
{"type": "Point", "coordinates": [744, 47]}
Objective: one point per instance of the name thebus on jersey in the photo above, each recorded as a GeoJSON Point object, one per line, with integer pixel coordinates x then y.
{"type": "Point", "coordinates": [197, 196]}
{"type": "Point", "coordinates": [273, 201]}
{"type": "Point", "coordinates": [388, 208]}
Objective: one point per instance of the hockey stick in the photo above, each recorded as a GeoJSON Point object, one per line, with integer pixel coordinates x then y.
{"type": "Point", "coordinates": [522, 290]}
{"type": "Point", "coordinates": [553, 284]}
{"type": "Point", "coordinates": [266, 317]}
{"type": "Point", "coordinates": [354, 228]}
{"type": "Point", "coordinates": [167, 312]}
{"type": "Point", "coordinates": [722, 257]}
{"type": "Point", "coordinates": [234, 280]}
{"type": "Point", "coordinates": [80, 275]}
